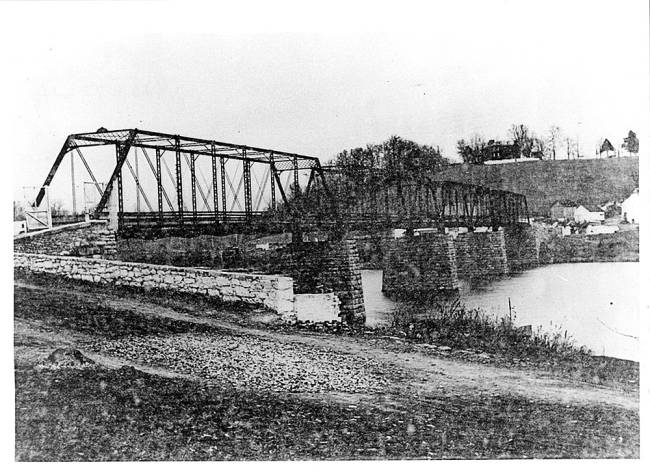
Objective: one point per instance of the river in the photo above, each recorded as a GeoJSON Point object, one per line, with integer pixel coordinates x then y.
{"type": "Point", "coordinates": [596, 303]}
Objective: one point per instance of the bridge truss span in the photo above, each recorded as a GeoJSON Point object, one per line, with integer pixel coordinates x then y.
{"type": "Point", "coordinates": [175, 184]}
{"type": "Point", "coordinates": [178, 181]}
{"type": "Point", "coordinates": [424, 202]}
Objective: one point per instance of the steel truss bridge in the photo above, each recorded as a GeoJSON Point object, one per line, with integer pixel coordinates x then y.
{"type": "Point", "coordinates": [223, 188]}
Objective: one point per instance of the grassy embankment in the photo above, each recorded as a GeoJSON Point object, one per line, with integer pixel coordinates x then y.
{"type": "Point", "coordinates": [457, 327]}
{"type": "Point", "coordinates": [544, 182]}
{"type": "Point", "coordinates": [100, 414]}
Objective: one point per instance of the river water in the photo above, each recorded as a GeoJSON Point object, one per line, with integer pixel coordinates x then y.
{"type": "Point", "coordinates": [596, 303]}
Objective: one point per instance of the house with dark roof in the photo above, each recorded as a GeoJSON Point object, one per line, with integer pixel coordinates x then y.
{"type": "Point", "coordinates": [563, 210]}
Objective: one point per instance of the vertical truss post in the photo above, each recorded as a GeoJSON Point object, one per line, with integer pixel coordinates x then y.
{"type": "Point", "coordinates": [120, 191]}
{"type": "Point", "coordinates": [248, 198]}
{"type": "Point", "coordinates": [159, 185]}
{"type": "Point", "coordinates": [296, 232]}
{"type": "Point", "coordinates": [74, 191]}
{"type": "Point", "coordinates": [224, 207]}
{"type": "Point", "coordinates": [272, 184]}
{"type": "Point", "coordinates": [193, 180]}
{"type": "Point", "coordinates": [179, 180]}
{"type": "Point", "coordinates": [296, 183]}
{"type": "Point", "coordinates": [215, 196]}
{"type": "Point", "coordinates": [137, 179]}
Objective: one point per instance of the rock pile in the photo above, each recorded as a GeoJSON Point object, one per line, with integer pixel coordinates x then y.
{"type": "Point", "coordinates": [66, 358]}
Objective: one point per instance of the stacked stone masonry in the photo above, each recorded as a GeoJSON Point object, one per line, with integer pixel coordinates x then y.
{"type": "Point", "coordinates": [322, 267]}
{"type": "Point", "coordinates": [273, 292]}
{"type": "Point", "coordinates": [420, 267]}
{"type": "Point", "coordinates": [80, 239]}
{"type": "Point", "coordinates": [481, 255]}
{"type": "Point", "coordinates": [522, 247]}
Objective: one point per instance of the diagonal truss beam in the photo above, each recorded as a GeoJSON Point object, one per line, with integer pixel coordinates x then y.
{"type": "Point", "coordinates": [123, 152]}
{"type": "Point", "coordinates": [260, 187]}
{"type": "Point", "coordinates": [158, 178]}
{"type": "Point", "coordinates": [90, 172]}
{"type": "Point", "coordinates": [55, 166]}
{"type": "Point", "coordinates": [137, 184]}
{"type": "Point", "coordinates": [191, 162]}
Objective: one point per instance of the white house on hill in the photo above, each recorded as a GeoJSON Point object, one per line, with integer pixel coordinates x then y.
{"type": "Point", "coordinates": [631, 207]}
{"type": "Point", "coordinates": [588, 214]}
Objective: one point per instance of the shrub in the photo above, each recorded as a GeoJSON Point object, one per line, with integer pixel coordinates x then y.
{"type": "Point", "coordinates": [452, 324]}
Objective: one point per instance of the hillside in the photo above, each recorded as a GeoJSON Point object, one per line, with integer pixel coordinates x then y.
{"type": "Point", "coordinates": [544, 182]}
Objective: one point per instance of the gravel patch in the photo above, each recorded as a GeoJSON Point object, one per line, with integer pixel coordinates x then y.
{"type": "Point", "coordinates": [251, 363]}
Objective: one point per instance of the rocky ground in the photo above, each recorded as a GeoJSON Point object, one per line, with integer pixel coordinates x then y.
{"type": "Point", "coordinates": [155, 380]}
{"type": "Point", "coordinates": [245, 362]}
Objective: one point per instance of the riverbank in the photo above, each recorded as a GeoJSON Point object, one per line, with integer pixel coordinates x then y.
{"type": "Point", "coordinates": [619, 247]}
{"type": "Point", "coordinates": [603, 370]}
{"type": "Point", "coordinates": [186, 379]}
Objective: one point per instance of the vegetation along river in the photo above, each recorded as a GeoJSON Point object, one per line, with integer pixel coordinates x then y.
{"type": "Point", "coordinates": [595, 303]}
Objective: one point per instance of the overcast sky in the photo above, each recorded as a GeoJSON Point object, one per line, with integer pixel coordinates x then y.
{"type": "Point", "coordinates": [442, 74]}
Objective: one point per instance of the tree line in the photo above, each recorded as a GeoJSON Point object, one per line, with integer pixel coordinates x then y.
{"type": "Point", "coordinates": [523, 142]}
{"type": "Point", "coordinates": [395, 158]}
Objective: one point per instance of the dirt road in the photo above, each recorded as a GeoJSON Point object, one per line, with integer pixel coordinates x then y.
{"type": "Point", "coordinates": [344, 368]}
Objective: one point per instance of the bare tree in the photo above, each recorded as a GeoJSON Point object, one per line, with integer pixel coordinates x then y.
{"type": "Point", "coordinates": [522, 137]}
{"type": "Point", "coordinates": [571, 148]}
{"type": "Point", "coordinates": [472, 150]}
{"type": "Point", "coordinates": [553, 139]}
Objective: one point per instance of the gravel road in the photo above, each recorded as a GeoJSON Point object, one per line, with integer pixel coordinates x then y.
{"type": "Point", "coordinates": [248, 362]}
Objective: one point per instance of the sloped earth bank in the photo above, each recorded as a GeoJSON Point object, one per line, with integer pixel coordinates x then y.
{"type": "Point", "coordinates": [166, 383]}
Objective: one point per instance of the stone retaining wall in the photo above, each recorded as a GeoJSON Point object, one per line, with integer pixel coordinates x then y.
{"type": "Point", "coordinates": [270, 291]}
{"type": "Point", "coordinates": [420, 267]}
{"type": "Point", "coordinates": [481, 255]}
{"type": "Point", "coordinates": [92, 238]}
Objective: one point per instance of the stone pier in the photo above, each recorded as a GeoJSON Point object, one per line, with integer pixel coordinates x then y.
{"type": "Point", "coordinates": [323, 267]}
{"type": "Point", "coordinates": [430, 266]}
{"type": "Point", "coordinates": [481, 256]}
{"type": "Point", "coordinates": [522, 247]}
{"type": "Point", "coordinates": [420, 267]}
